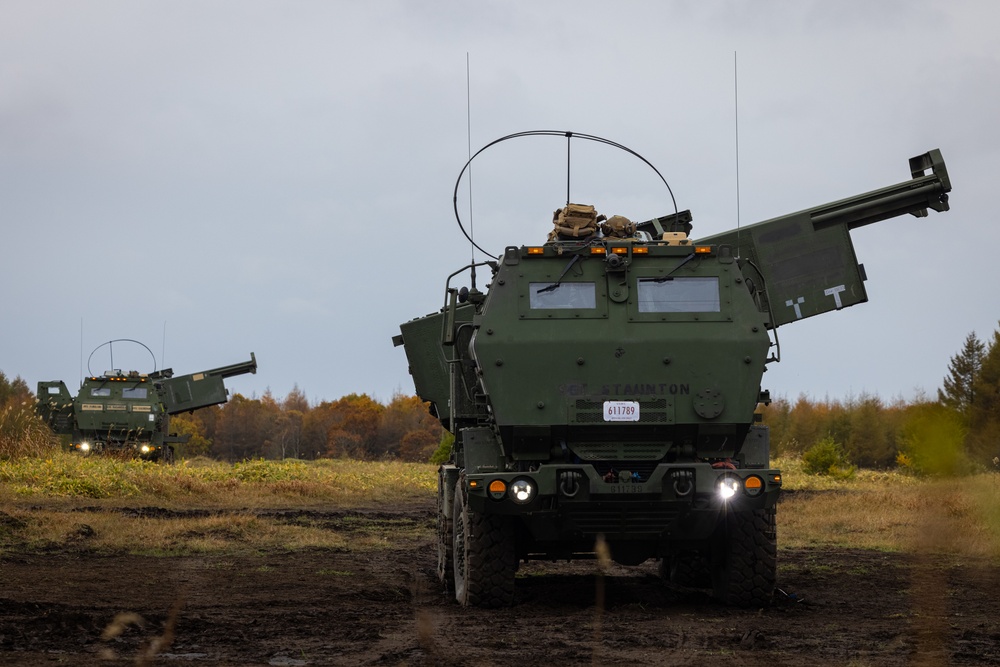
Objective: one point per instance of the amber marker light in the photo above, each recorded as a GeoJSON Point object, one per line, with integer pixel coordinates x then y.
{"type": "Point", "coordinates": [640, 250]}
{"type": "Point", "coordinates": [498, 488]}
{"type": "Point", "coordinates": [753, 485]}
{"type": "Point", "coordinates": [473, 483]}
{"type": "Point", "coordinates": [598, 251]}
{"type": "Point", "coordinates": [703, 250]}
{"type": "Point", "coordinates": [620, 250]}
{"type": "Point", "coordinates": [536, 250]}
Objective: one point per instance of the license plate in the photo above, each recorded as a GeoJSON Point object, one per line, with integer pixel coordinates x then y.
{"type": "Point", "coordinates": [621, 411]}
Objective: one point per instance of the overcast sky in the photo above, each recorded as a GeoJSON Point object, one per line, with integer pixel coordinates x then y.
{"type": "Point", "coordinates": [215, 178]}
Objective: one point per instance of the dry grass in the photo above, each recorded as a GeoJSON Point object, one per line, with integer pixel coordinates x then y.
{"type": "Point", "coordinates": [212, 484]}
{"type": "Point", "coordinates": [67, 501]}
{"type": "Point", "coordinates": [892, 511]}
{"type": "Point", "coordinates": [110, 532]}
{"type": "Point", "coordinates": [22, 432]}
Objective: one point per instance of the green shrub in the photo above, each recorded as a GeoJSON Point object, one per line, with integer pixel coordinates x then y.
{"type": "Point", "coordinates": [827, 457]}
{"type": "Point", "coordinates": [443, 451]}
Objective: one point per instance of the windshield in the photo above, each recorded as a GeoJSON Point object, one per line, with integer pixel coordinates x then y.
{"type": "Point", "coordinates": [565, 295]}
{"type": "Point", "coordinates": [679, 295]}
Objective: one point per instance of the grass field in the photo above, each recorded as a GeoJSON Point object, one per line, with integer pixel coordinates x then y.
{"type": "Point", "coordinates": [68, 501]}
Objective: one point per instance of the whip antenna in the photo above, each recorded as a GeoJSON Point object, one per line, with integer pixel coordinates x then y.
{"type": "Point", "coordinates": [736, 120]}
{"type": "Point", "coordinates": [468, 132]}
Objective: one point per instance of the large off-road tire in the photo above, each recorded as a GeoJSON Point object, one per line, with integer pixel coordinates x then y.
{"type": "Point", "coordinates": [445, 543]}
{"type": "Point", "coordinates": [744, 567]}
{"type": "Point", "coordinates": [690, 569]}
{"type": "Point", "coordinates": [485, 559]}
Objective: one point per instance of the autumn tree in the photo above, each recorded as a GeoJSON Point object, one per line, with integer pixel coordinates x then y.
{"type": "Point", "coordinates": [14, 391]}
{"type": "Point", "coordinates": [408, 430]}
{"type": "Point", "coordinates": [868, 442]}
{"type": "Point", "coordinates": [191, 425]}
{"type": "Point", "coordinates": [352, 427]}
{"type": "Point", "coordinates": [241, 429]}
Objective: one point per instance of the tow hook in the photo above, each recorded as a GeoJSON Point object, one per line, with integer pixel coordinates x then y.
{"type": "Point", "coordinates": [683, 482]}
{"type": "Point", "coordinates": [569, 482]}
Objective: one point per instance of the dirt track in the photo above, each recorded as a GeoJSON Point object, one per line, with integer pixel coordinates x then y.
{"type": "Point", "coordinates": [384, 608]}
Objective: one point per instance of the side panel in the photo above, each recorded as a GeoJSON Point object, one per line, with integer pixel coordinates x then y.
{"type": "Point", "coordinates": [55, 406]}
{"type": "Point", "coordinates": [806, 259]}
{"type": "Point", "coordinates": [807, 271]}
{"type": "Point", "coordinates": [191, 392]}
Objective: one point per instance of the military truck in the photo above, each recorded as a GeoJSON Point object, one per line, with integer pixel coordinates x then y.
{"type": "Point", "coordinates": [604, 389]}
{"type": "Point", "coordinates": [129, 412]}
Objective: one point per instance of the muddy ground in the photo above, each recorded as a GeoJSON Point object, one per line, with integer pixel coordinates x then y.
{"type": "Point", "coordinates": [841, 607]}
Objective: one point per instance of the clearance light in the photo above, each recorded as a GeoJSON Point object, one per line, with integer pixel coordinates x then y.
{"type": "Point", "coordinates": [473, 483]}
{"type": "Point", "coordinates": [753, 485]}
{"type": "Point", "coordinates": [497, 489]}
{"type": "Point", "coordinates": [536, 250]}
{"type": "Point", "coordinates": [703, 250]}
{"type": "Point", "coordinates": [640, 250]}
{"type": "Point", "coordinates": [620, 250]}
{"type": "Point", "coordinates": [598, 251]}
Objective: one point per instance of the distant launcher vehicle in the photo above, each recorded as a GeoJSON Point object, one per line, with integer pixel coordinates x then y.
{"type": "Point", "coordinates": [129, 412]}
{"type": "Point", "coordinates": [604, 388]}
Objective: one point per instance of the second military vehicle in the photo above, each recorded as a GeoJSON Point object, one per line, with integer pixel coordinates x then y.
{"type": "Point", "coordinates": [129, 412]}
{"type": "Point", "coordinates": [604, 388]}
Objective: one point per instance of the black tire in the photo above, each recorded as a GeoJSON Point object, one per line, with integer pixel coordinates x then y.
{"type": "Point", "coordinates": [745, 560]}
{"type": "Point", "coordinates": [690, 569]}
{"type": "Point", "coordinates": [445, 543]}
{"type": "Point", "coordinates": [484, 556]}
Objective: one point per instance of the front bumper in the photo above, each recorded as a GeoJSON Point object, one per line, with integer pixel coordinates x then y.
{"type": "Point", "coordinates": [575, 503]}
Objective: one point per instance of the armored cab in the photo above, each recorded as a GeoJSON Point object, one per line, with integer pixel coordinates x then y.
{"type": "Point", "coordinates": [605, 388]}
{"type": "Point", "coordinates": [129, 412]}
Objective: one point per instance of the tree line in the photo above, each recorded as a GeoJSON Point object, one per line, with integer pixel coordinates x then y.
{"type": "Point", "coordinates": [354, 426]}
{"type": "Point", "coordinates": [957, 431]}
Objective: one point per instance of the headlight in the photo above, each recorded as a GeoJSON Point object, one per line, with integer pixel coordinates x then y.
{"type": "Point", "coordinates": [728, 487]}
{"type": "Point", "coordinates": [84, 446]}
{"type": "Point", "coordinates": [145, 449]}
{"type": "Point", "coordinates": [522, 491]}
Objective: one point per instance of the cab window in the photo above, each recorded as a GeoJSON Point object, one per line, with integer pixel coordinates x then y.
{"type": "Point", "coordinates": [562, 295]}
{"type": "Point", "coordinates": [679, 295]}
{"type": "Point", "coordinates": [134, 392]}
{"type": "Point", "coordinates": [100, 391]}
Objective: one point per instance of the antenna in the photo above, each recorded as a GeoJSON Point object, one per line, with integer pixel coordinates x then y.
{"type": "Point", "coordinates": [736, 119]}
{"type": "Point", "coordinates": [468, 132]}
{"type": "Point", "coordinates": [163, 348]}
{"type": "Point", "coordinates": [569, 138]}
{"type": "Point", "coordinates": [81, 352]}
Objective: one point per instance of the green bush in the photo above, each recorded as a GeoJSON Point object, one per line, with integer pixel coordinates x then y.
{"type": "Point", "coordinates": [443, 452]}
{"type": "Point", "coordinates": [827, 457]}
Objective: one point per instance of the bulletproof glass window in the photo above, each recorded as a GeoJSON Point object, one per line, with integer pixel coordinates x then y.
{"type": "Point", "coordinates": [134, 392]}
{"type": "Point", "coordinates": [100, 391]}
{"type": "Point", "coordinates": [53, 390]}
{"type": "Point", "coordinates": [563, 295]}
{"type": "Point", "coordinates": [679, 295]}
